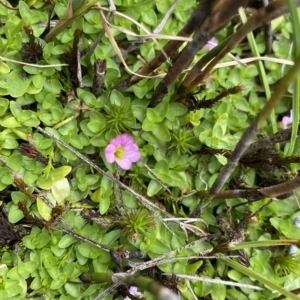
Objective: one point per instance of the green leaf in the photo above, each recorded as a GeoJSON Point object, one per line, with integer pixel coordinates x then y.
{"type": "Point", "coordinates": [234, 77]}
{"type": "Point", "coordinates": [214, 142]}
{"type": "Point", "coordinates": [44, 182]}
{"type": "Point", "coordinates": [129, 200]}
{"type": "Point", "coordinates": [76, 141]}
{"type": "Point", "coordinates": [235, 275]}
{"type": "Point", "coordinates": [158, 113]}
{"type": "Point", "coordinates": [97, 195]}
{"type": "Point", "coordinates": [15, 108]}
{"type": "Point", "coordinates": [28, 118]}
{"type": "Point", "coordinates": [110, 237]}
{"type": "Point", "coordinates": [25, 11]}
{"type": "Point", "coordinates": [217, 131]}
{"type": "Point", "coordinates": [153, 188]}
{"type": "Point", "coordinates": [43, 209]}
{"type": "Point", "coordinates": [9, 122]}
{"type": "Point", "coordinates": [15, 162]}
{"type": "Point", "coordinates": [162, 132]}
{"type": "Point", "coordinates": [117, 98]}
{"type": "Point", "coordinates": [43, 238]}
{"type": "Point", "coordinates": [3, 105]}
{"type": "Point", "coordinates": [148, 126]}
{"type": "Point", "coordinates": [12, 287]}
{"type": "Point", "coordinates": [4, 68]}
{"type": "Point", "coordinates": [31, 70]}
{"type": "Point", "coordinates": [26, 268]}
{"type": "Point", "coordinates": [13, 273]}
{"type": "Point", "coordinates": [159, 247]}
{"type": "Point", "coordinates": [221, 158]}
{"type": "Point", "coordinates": [104, 205]}
{"type": "Point", "coordinates": [139, 111]}
{"type": "Point", "coordinates": [28, 242]}
{"type": "Point", "coordinates": [61, 190]}
{"type": "Point", "coordinates": [177, 241]}
{"type": "Point", "coordinates": [140, 91]}
{"type": "Point", "coordinates": [149, 17]}
{"type": "Point", "coordinates": [229, 140]}
{"type": "Point", "coordinates": [218, 292]}
{"type": "Point", "coordinates": [89, 251]}
{"type": "Point", "coordinates": [161, 166]}
{"type": "Point", "coordinates": [15, 214]}
{"type": "Point", "coordinates": [53, 85]}
{"type": "Point", "coordinates": [222, 122]}
{"type": "Point", "coordinates": [17, 83]}
{"type": "Point", "coordinates": [153, 116]}
{"type": "Point", "coordinates": [47, 50]}
{"type": "Point", "coordinates": [66, 241]}
{"type": "Point", "coordinates": [96, 126]}
{"type": "Point", "coordinates": [73, 290]}
{"type": "Point", "coordinates": [60, 173]}
{"type": "Point", "coordinates": [204, 135]}
{"type": "Point", "coordinates": [176, 179]}
{"type": "Point", "coordinates": [163, 6]}
{"type": "Point", "coordinates": [241, 104]}
{"type": "Point", "coordinates": [175, 109]}
{"type": "Point", "coordinates": [233, 294]}
{"type": "Point", "coordinates": [88, 98]}
{"type": "Point", "coordinates": [38, 81]}
{"type": "Point", "coordinates": [57, 283]}
{"type": "Point", "coordinates": [192, 268]}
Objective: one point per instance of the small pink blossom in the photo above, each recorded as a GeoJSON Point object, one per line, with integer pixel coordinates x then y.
{"type": "Point", "coordinates": [211, 44]}
{"type": "Point", "coordinates": [287, 120]}
{"type": "Point", "coordinates": [133, 291]}
{"type": "Point", "coordinates": [123, 151]}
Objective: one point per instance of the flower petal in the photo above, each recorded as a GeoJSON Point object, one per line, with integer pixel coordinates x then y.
{"type": "Point", "coordinates": [286, 121]}
{"type": "Point", "coordinates": [124, 163]}
{"type": "Point", "coordinates": [133, 155]}
{"type": "Point", "coordinates": [110, 153]}
{"type": "Point", "coordinates": [116, 141]}
{"type": "Point", "coordinates": [211, 44]}
{"type": "Point", "coordinates": [126, 140]}
{"type": "Point", "coordinates": [131, 147]}
{"type": "Point", "coordinates": [133, 290]}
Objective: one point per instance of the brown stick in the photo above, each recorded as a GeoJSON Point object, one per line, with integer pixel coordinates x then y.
{"type": "Point", "coordinates": [264, 15]}
{"type": "Point", "coordinates": [266, 192]}
{"type": "Point", "coordinates": [221, 13]}
{"type": "Point", "coordinates": [195, 20]}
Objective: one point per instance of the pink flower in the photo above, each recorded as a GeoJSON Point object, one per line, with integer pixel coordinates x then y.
{"type": "Point", "coordinates": [133, 291]}
{"type": "Point", "coordinates": [123, 151]}
{"type": "Point", "coordinates": [287, 120]}
{"type": "Point", "coordinates": [211, 44]}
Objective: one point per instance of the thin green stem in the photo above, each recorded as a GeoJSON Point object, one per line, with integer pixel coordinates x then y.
{"type": "Point", "coordinates": [270, 243]}
{"type": "Point", "coordinates": [69, 18]}
{"type": "Point", "coordinates": [296, 95]}
{"type": "Point", "coordinates": [269, 284]}
{"type": "Point", "coordinates": [280, 89]}
{"type": "Point", "coordinates": [260, 67]}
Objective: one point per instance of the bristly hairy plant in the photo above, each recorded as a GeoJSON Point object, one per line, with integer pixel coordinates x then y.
{"type": "Point", "coordinates": [286, 264]}
{"type": "Point", "coordinates": [118, 117]}
{"type": "Point", "coordinates": [136, 222]}
{"type": "Point", "coordinates": [182, 141]}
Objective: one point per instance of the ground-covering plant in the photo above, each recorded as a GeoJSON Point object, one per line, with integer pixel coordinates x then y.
{"type": "Point", "coordinates": [137, 162]}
